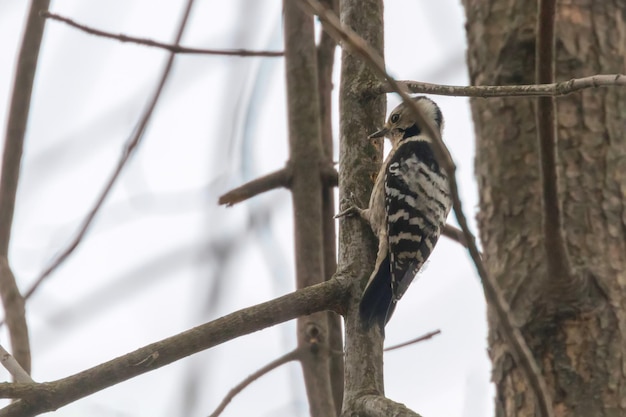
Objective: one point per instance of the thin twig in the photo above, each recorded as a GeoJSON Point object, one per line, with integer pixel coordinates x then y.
{"type": "Point", "coordinates": [413, 341]}
{"type": "Point", "coordinates": [176, 49]}
{"type": "Point", "coordinates": [276, 179]}
{"type": "Point", "coordinates": [455, 234]}
{"type": "Point", "coordinates": [14, 368]}
{"type": "Point", "coordinates": [286, 358]}
{"type": "Point", "coordinates": [129, 149]}
{"type": "Point", "coordinates": [492, 291]}
{"type": "Point", "coordinates": [549, 90]}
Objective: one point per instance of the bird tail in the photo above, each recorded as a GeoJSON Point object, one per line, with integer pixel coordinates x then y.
{"type": "Point", "coordinates": [377, 304]}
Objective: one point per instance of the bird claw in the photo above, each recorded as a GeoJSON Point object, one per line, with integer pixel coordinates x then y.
{"type": "Point", "coordinates": [349, 212]}
{"type": "Point", "coordinates": [352, 209]}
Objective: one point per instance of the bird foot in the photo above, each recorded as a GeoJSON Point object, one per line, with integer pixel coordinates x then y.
{"type": "Point", "coordinates": [351, 210]}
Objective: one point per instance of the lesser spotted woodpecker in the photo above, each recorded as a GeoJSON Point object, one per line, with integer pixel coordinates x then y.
{"type": "Point", "coordinates": [407, 210]}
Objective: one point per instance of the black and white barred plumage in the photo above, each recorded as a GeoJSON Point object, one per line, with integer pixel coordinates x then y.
{"type": "Point", "coordinates": [407, 210]}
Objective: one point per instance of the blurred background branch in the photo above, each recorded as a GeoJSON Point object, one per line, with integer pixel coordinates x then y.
{"type": "Point", "coordinates": [19, 110]}
{"type": "Point", "coordinates": [173, 48]}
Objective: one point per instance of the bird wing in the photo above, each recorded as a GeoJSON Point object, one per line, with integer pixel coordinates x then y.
{"type": "Point", "coordinates": [414, 191]}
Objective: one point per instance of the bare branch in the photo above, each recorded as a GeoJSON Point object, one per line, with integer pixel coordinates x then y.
{"type": "Point", "coordinates": [11, 159]}
{"type": "Point", "coordinates": [16, 390]}
{"type": "Point", "coordinates": [276, 179]}
{"type": "Point", "coordinates": [490, 286]}
{"type": "Point", "coordinates": [496, 299]}
{"type": "Point", "coordinates": [288, 357]}
{"type": "Point", "coordinates": [379, 406]}
{"type": "Point", "coordinates": [455, 234]}
{"type": "Point", "coordinates": [325, 62]}
{"type": "Point", "coordinates": [39, 398]}
{"type": "Point", "coordinates": [129, 149]}
{"type": "Point", "coordinates": [15, 314]}
{"type": "Point", "coordinates": [305, 155]}
{"type": "Point", "coordinates": [14, 368]}
{"type": "Point", "coordinates": [534, 90]}
{"type": "Point", "coordinates": [413, 341]}
{"type": "Point", "coordinates": [175, 49]}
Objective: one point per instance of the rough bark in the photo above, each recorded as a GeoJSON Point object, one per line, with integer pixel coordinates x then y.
{"type": "Point", "coordinates": [580, 346]}
{"type": "Point", "coordinates": [361, 113]}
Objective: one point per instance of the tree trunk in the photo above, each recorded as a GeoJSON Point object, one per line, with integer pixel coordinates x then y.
{"type": "Point", "coordinates": [579, 346]}
{"type": "Point", "coordinates": [360, 114]}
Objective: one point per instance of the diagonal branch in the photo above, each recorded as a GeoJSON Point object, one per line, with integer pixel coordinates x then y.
{"type": "Point", "coordinates": [455, 234]}
{"type": "Point", "coordinates": [49, 396]}
{"type": "Point", "coordinates": [175, 49]}
{"type": "Point", "coordinates": [490, 286]}
{"type": "Point", "coordinates": [276, 179]}
{"type": "Point", "coordinates": [427, 336]}
{"type": "Point", "coordinates": [129, 150]}
{"type": "Point", "coordinates": [531, 90]}
{"type": "Point", "coordinates": [286, 358]}
{"type": "Point", "coordinates": [14, 368]}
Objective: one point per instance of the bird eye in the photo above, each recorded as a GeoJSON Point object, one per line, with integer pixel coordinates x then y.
{"type": "Point", "coordinates": [394, 118]}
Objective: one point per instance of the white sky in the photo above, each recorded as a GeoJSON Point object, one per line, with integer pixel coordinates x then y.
{"type": "Point", "coordinates": [162, 256]}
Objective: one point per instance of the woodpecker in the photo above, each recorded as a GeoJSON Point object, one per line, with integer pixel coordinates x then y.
{"type": "Point", "coordinates": [407, 210]}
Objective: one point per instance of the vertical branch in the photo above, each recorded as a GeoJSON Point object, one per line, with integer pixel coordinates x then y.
{"type": "Point", "coordinates": [325, 63]}
{"type": "Point", "coordinates": [305, 149]}
{"type": "Point", "coordinates": [359, 161]}
{"type": "Point", "coordinates": [559, 272]}
{"type": "Point", "coordinates": [11, 160]}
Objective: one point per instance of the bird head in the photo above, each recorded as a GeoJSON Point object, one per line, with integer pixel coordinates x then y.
{"type": "Point", "coordinates": [401, 123]}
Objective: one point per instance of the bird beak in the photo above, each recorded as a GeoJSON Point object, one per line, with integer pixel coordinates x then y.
{"type": "Point", "coordinates": [382, 132]}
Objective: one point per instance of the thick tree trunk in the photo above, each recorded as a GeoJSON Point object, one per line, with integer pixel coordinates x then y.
{"type": "Point", "coordinates": [579, 346]}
